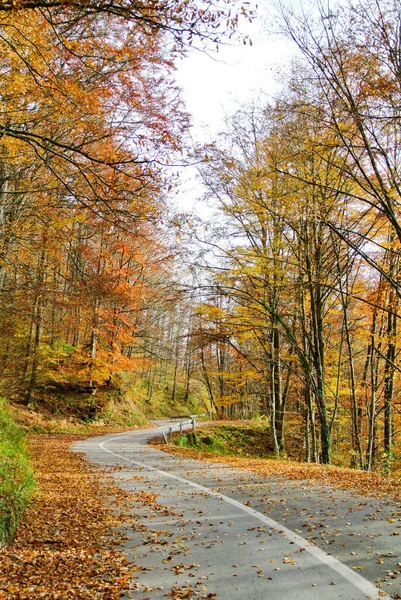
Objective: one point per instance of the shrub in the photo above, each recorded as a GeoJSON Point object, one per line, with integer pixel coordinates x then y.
{"type": "Point", "coordinates": [16, 475]}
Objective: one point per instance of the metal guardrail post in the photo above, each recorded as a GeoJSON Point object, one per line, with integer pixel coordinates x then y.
{"type": "Point", "coordinates": [189, 420]}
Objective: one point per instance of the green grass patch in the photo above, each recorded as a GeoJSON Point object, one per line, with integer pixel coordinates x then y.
{"type": "Point", "coordinates": [188, 440]}
{"type": "Point", "coordinates": [16, 475]}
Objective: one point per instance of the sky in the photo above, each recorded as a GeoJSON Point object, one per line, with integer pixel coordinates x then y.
{"type": "Point", "coordinates": [215, 85]}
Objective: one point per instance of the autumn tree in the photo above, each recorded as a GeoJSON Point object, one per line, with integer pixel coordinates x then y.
{"type": "Point", "coordinates": [183, 22]}
{"type": "Point", "coordinates": [352, 55]}
{"type": "Point", "coordinates": [247, 188]}
{"type": "Point", "coordinates": [294, 288]}
{"type": "Point", "coordinates": [80, 192]}
{"type": "Point", "coordinates": [352, 62]}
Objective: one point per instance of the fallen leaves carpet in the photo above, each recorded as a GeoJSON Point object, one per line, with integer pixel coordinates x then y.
{"type": "Point", "coordinates": [65, 547]}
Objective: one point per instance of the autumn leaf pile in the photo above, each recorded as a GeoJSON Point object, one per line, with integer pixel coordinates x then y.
{"type": "Point", "coordinates": [65, 547]}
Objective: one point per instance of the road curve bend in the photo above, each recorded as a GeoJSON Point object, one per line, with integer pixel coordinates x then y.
{"type": "Point", "coordinates": [207, 530]}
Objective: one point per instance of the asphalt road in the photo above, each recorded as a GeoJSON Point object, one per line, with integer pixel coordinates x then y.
{"type": "Point", "coordinates": [206, 530]}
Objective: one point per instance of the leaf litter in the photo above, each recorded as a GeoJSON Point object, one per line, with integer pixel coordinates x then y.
{"type": "Point", "coordinates": [66, 546]}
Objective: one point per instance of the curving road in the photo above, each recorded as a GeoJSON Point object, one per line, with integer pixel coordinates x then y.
{"type": "Point", "coordinates": [206, 530]}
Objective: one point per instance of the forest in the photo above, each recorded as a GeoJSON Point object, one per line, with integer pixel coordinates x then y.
{"type": "Point", "coordinates": [282, 307]}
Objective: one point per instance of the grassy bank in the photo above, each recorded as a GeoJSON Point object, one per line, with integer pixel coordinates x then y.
{"type": "Point", "coordinates": [118, 417]}
{"type": "Point", "coordinates": [16, 475]}
{"type": "Point", "coordinates": [235, 439]}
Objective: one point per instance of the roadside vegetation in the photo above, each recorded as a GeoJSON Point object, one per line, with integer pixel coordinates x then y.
{"type": "Point", "coordinates": [236, 439]}
{"type": "Point", "coordinates": [253, 439]}
{"type": "Point", "coordinates": [16, 475]}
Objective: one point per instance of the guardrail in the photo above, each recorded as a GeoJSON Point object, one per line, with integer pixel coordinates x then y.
{"type": "Point", "coordinates": [184, 421]}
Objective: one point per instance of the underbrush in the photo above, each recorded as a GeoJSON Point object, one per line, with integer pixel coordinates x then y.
{"type": "Point", "coordinates": [16, 475]}
{"type": "Point", "coordinates": [75, 413]}
{"type": "Point", "coordinates": [158, 403]}
{"type": "Point", "coordinates": [42, 420]}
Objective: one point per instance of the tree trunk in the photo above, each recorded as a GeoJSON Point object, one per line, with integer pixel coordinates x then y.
{"type": "Point", "coordinates": [174, 392]}
{"type": "Point", "coordinates": [3, 243]}
{"type": "Point", "coordinates": [389, 372]}
{"type": "Point", "coordinates": [36, 332]}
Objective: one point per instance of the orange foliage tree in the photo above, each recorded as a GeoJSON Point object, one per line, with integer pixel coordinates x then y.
{"type": "Point", "coordinates": [88, 119]}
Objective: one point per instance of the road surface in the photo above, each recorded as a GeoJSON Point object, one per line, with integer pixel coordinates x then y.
{"type": "Point", "coordinates": [207, 530]}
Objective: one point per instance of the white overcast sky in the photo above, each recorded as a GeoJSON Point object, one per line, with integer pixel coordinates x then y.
{"type": "Point", "coordinates": [214, 86]}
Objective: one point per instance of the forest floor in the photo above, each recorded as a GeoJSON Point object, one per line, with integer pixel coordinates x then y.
{"type": "Point", "coordinates": [65, 547]}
